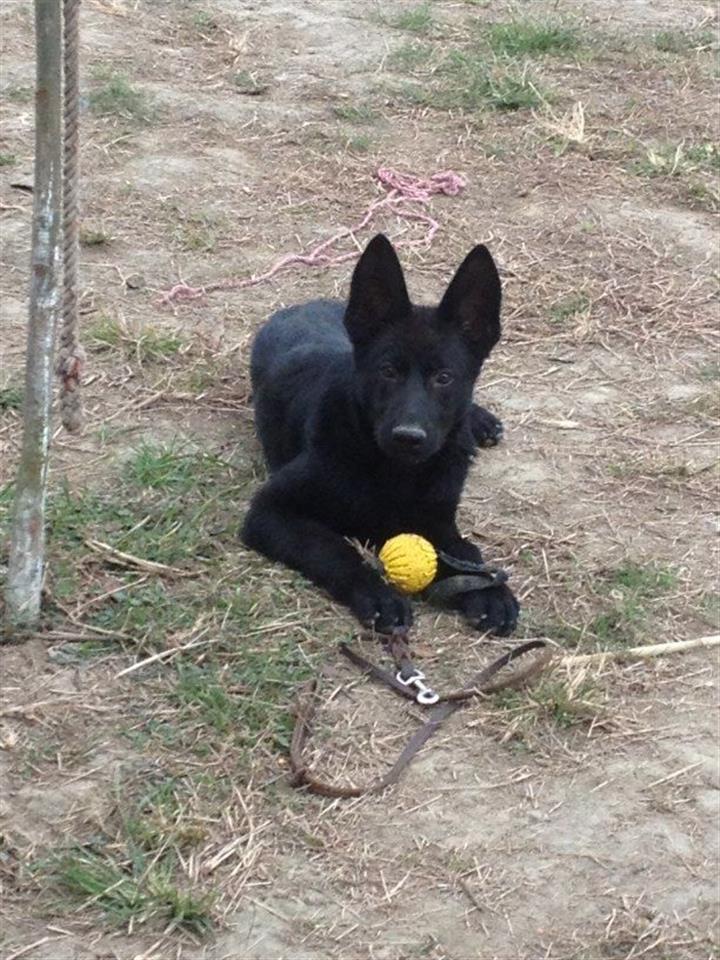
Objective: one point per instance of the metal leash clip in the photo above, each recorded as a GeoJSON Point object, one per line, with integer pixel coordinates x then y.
{"type": "Point", "coordinates": [425, 695]}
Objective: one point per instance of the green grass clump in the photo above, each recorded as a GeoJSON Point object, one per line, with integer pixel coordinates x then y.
{"type": "Point", "coordinates": [7, 159]}
{"type": "Point", "coordinates": [245, 82]}
{"type": "Point", "coordinates": [709, 371]}
{"type": "Point", "coordinates": [114, 96]}
{"type": "Point", "coordinates": [359, 114]}
{"type": "Point", "coordinates": [168, 506]}
{"type": "Point", "coordinates": [704, 155]}
{"type": "Point", "coordinates": [17, 93]}
{"type": "Point", "coordinates": [468, 79]}
{"type": "Point", "coordinates": [192, 236]}
{"type": "Point", "coordinates": [559, 702]}
{"type": "Point", "coordinates": [359, 144]}
{"type": "Point", "coordinates": [136, 891]}
{"type": "Point", "coordinates": [410, 57]}
{"type": "Point", "coordinates": [472, 82]}
{"type": "Point", "coordinates": [630, 588]}
{"type": "Point", "coordinates": [569, 307]}
{"type": "Point", "coordinates": [245, 701]}
{"type": "Point", "coordinates": [682, 41]}
{"type": "Point", "coordinates": [11, 398]}
{"type": "Point", "coordinates": [527, 38]}
{"type": "Point", "coordinates": [204, 21]}
{"type": "Point", "coordinates": [416, 20]}
{"type": "Point", "coordinates": [678, 160]}
{"type": "Point", "coordinates": [643, 581]}
{"type": "Point", "coordinates": [201, 689]}
{"type": "Point", "coordinates": [144, 344]}
{"type": "Point", "coordinates": [93, 237]}
{"type": "Point", "coordinates": [170, 467]}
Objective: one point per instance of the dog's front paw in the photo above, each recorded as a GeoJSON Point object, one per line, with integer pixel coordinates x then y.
{"type": "Point", "coordinates": [486, 428]}
{"type": "Point", "coordinates": [378, 606]}
{"type": "Point", "coordinates": [495, 609]}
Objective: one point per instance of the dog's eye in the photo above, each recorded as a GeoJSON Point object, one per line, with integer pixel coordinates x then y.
{"type": "Point", "coordinates": [443, 378]}
{"type": "Point", "coordinates": [389, 372]}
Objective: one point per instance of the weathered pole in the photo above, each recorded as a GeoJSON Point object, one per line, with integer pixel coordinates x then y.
{"type": "Point", "coordinates": [27, 547]}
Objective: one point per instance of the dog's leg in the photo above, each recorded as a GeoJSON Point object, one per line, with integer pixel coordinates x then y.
{"type": "Point", "coordinates": [486, 428]}
{"type": "Point", "coordinates": [496, 608]}
{"type": "Point", "coordinates": [275, 529]}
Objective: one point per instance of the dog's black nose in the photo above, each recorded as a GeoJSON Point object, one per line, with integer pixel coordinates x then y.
{"type": "Point", "coordinates": [409, 436]}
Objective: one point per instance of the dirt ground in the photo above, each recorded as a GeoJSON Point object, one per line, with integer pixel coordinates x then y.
{"type": "Point", "coordinates": [146, 814]}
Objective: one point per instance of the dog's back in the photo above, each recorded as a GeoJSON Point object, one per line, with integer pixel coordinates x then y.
{"type": "Point", "coordinates": [296, 357]}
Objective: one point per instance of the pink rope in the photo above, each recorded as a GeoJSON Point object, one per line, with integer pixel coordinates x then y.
{"type": "Point", "coordinates": [406, 194]}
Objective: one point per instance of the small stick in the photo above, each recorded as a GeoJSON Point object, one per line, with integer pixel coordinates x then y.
{"type": "Point", "coordinates": [651, 650]}
{"type": "Point", "coordinates": [127, 559]}
{"type": "Point", "coordinates": [31, 946]}
{"type": "Point", "coordinates": [673, 776]}
{"type": "Point", "coordinates": [163, 654]}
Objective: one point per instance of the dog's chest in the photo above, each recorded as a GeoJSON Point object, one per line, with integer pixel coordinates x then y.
{"type": "Point", "coordinates": [387, 501]}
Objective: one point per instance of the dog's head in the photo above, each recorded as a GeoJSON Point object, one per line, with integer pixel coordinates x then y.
{"type": "Point", "coordinates": [416, 366]}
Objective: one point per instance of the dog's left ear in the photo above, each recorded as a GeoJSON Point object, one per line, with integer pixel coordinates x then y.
{"type": "Point", "coordinates": [472, 301]}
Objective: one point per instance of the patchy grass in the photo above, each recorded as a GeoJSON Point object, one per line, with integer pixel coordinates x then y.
{"type": "Point", "coordinates": [410, 57]}
{"type": "Point", "coordinates": [94, 236]}
{"type": "Point", "coordinates": [668, 160]}
{"type": "Point", "coordinates": [643, 581]}
{"type": "Point", "coordinates": [710, 610]}
{"type": "Point", "coordinates": [165, 813]}
{"type": "Point", "coordinates": [526, 38]}
{"type": "Point", "coordinates": [169, 467]}
{"type": "Point", "coordinates": [7, 159]}
{"type": "Point", "coordinates": [17, 93]}
{"type": "Point", "coordinates": [244, 699]}
{"type": "Point", "coordinates": [169, 506]}
{"type": "Point", "coordinates": [179, 503]}
{"type": "Point", "coordinates": [629, 589]}
{"type": "Point", "coordinates": [469, 81]}
{"type": "Point", "coordinates": [683, 42]}
{"type": "Point", "coordinates": [709, 372]}
{"type": "Point", "coordinates": [141, 343]}
{"type": "Point", "coordinates": [197, 233]}
{"type": "Point", "coordinates": [204, 21]}
{"type": "Point", "coordinates": [569, 307]}
{"type": "Point", "coordinates": [355, 114]}
{"type": "Point", "coordinates": [696, 166]}
{"type": "Point", "coordinates": [472, 82]}
{"type": "Point", "coordinates": [248, 84]}
{"type": "Point", "coordinates": [561, 701]}
{"type": "Point", "coordinates": [11, 398]}
{"type": "Point", "coordinates": [114, 96]}
{"type": "Point", "coordinates": [360, 143]}
{"type": "Point", "coordinates": [415, 20]}
{"type": "Point", "coordinates": [704, 155]}
{"type": "Point", "coordinates": [129, 892]}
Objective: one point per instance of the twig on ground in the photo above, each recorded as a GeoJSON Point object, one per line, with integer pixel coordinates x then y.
{"type": "Point", "coordinates": [129, 560]}
{"type": "Point", "coordinates": [651, 650]}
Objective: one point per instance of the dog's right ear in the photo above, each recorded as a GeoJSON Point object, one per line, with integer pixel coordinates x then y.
{"type": "Point", "coordinates": [378, 294]}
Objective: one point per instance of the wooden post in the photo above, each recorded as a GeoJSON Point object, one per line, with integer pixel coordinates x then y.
{"type": "Point", "coordinates": [27, 548]}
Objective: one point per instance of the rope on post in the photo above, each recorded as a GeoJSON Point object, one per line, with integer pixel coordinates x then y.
{"type": "Point", "coordinates": [71, 356]}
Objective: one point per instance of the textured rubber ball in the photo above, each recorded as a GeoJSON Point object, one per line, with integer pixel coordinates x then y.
{"type": "Point", "coordinates": [410, 562]}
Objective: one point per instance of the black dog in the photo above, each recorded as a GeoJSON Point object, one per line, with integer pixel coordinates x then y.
{"type": "Point", "coordinates": [366, 418]}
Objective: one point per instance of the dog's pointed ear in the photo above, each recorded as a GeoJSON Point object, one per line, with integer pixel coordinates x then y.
{"type": "Point", "coordinates": [378, 294]}
{"type": "Point", "coordinates": [472, 301]}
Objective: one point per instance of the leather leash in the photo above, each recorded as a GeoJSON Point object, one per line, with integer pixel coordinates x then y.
{"type": "Point", "coordinates": [481, 684]}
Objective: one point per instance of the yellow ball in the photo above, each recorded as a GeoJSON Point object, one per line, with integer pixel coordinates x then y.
{"type": "Point", "coordinates": [410, 562]}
